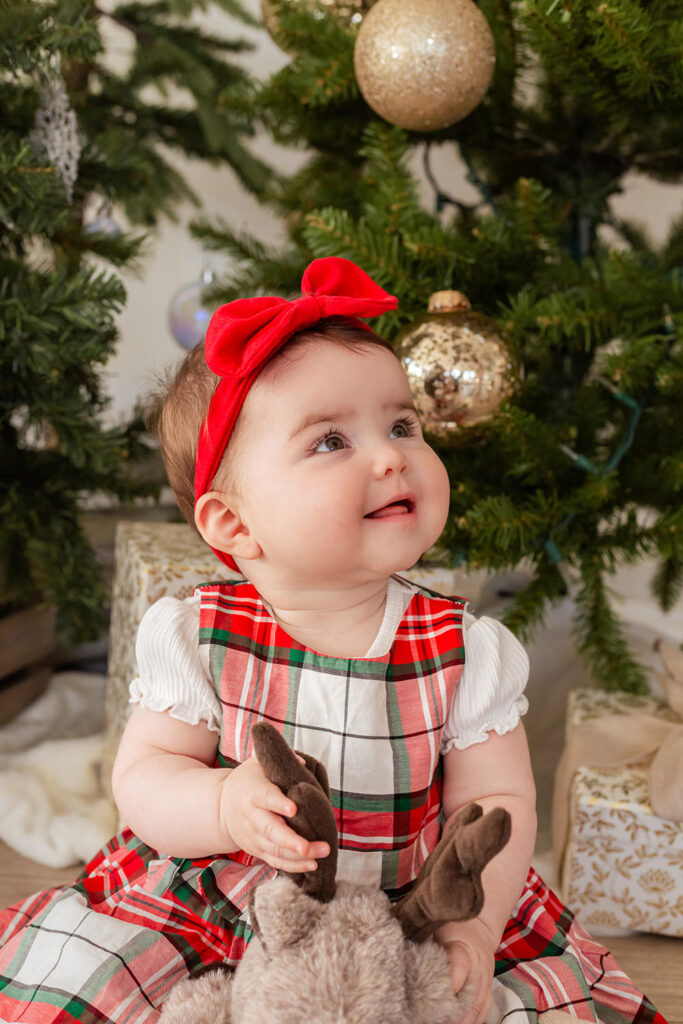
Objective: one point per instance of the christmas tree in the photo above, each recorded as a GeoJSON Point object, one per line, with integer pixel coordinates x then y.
{"type": "Point", "coordinates": [581, 466]}
{"type": "Point", "coordinates": [84, 152]}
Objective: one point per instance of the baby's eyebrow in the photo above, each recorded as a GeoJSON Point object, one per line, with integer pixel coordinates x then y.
{"type": "Point", "coordinates": [405, 406]}
{"type": "Point", "coordinates": [317, 418]}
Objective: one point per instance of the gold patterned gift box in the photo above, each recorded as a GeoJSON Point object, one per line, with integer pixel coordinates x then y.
{"type": "Point", "coordinates": [622, 866]}
{"type": "Point", "coordinates": [151, 560]}
{"type": "Point", "coordinates": [154, 560]}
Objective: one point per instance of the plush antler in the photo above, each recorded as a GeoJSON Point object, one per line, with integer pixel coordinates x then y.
{"type": "Point", "coordinates": [309, 788]}
{"type": "Point", "coordinates": [448, 887]}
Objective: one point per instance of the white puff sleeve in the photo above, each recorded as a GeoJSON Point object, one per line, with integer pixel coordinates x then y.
{"type": "Point", "coordinates": [173, 675]}
{"type": "Point", "coordinates": [490, 693]}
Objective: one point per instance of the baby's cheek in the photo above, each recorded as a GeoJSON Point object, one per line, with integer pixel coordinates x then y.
{"type": "Point", "coordinates": [327, 505]}
{"type": "Point", "coordinates": [440, 488]}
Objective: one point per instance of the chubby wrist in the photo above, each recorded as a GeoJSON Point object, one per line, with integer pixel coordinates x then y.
{"type": "Point", "coordinates": [476, 929]}
{"type": "Point", "coordinates": [225, 809]}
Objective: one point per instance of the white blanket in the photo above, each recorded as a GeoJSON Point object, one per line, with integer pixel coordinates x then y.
{"type": "Point", "coordinates": [52, 806]}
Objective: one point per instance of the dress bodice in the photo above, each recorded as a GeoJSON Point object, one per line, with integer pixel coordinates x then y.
{"type": "Point", "coordinates": [375, 722]}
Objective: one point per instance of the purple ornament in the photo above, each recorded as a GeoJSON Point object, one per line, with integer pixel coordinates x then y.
{"type": "Point", "coordinates": [188, 318]}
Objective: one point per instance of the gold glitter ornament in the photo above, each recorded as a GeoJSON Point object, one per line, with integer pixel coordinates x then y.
{"type": "Point", "coordinates": [349, 12]}
{"type": "Point", "coordinates": [424, 64]}
{"type": "Point", "coordinates": [457, 364]}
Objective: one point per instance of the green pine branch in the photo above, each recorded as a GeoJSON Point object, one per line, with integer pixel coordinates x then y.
{"type": "Point", "coordinates": [667, 583]}
{"type": "Point", "coordinates": [529, 606]}
{"type": "Point", "coordinates": [30, 29]}
{"type": "Point", "coordinates": [581, 469]}
{"type": "Point", "coordinates": [626, 41]}
{"type": "Point", "coordinates": [600, 634]}
{"type": "Point", "coordinates": [59, 299]}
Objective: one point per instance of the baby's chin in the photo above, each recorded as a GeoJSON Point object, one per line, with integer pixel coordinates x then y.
{"type": "Point", "coordinates": [387, 563]}
{"type": "Point", "coordinates": [325, 575]}
{"type": "Point", "coordinates": [384, 569]}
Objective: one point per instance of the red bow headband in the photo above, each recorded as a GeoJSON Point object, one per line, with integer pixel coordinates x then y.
{"type": "Point", "coordinates": [243, 336]}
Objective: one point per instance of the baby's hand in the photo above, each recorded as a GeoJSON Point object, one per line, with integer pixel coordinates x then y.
{"type": "Point", "coordinates": [470, 948]}
{"type": "Point", "coordinates": [252, 810]}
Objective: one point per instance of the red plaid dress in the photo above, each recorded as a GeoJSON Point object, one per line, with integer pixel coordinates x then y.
{"type": "Point", "coordinates": [110, 947]}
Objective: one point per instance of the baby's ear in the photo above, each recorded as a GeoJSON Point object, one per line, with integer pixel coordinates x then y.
{"type": "Point", "coordinates": [222, 527]}
{"type": "Point", "coordinates": [281, 914]}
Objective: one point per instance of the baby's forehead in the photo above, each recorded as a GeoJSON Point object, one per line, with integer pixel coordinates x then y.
{"type": "Point", "coordinates": [297, 375]}
{"type": "Point", "coordinates": [297, 357]}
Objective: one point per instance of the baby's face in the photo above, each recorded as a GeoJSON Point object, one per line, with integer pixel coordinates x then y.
{"type": "Point", "coordinates": [337, 483]}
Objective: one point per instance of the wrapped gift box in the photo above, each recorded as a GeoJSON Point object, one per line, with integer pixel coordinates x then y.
{"type": "Point", "coordinates": [150, 561]}
{"type": "Point", "coordinates": [153, 560]}
{"type": "Point", "coordinates": [623, 865]}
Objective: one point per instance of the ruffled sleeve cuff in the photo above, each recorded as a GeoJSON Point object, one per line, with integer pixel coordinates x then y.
{"type": "Point", "coordinates": [490, 694]}
{"type": "Point", "coordinates": [172, 676]}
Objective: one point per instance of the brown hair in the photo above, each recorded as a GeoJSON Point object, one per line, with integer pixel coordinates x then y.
{"type": "Point", "coordinates": [180, 406]}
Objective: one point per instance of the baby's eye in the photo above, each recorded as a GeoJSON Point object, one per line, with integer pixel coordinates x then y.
{"type": "Point", "coordinates": [403, 428]}
{"type": "Point", "coordinates": [329, 443]}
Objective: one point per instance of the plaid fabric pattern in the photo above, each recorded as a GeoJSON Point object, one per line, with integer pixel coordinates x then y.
{"type": "Point", "coordinates": [375, 723]}
{"type": "Point", "coordinates": [547, 961]}
{"type": "Point", "coordinates": [110, 947]}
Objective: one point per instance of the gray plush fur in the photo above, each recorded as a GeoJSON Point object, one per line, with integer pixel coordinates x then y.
{"type": "Point", "coordinates": [342, 962]}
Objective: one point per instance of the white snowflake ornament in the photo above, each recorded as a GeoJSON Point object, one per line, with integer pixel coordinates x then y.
{"type": "Point", "coordinates": [56, 130]}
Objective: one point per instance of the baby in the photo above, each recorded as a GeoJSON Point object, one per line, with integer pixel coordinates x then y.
{"type": "Point", "coordinates": [298, 454]}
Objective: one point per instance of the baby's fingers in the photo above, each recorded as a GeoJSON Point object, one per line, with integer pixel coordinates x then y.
{"type": "Point", "coordinates": [280, 841]}
{"type": "Point", "coordinates": [477, 998]}
{"type": "Point", "coordinates": [269, 798]}
{"type": "Point", "coordinates": [271, 825]}
{"type": "Point", "coordinates": [276, 835]}
{"type": "Point", "coordinates": [292, 865]}
{"type": "Point", "coordinates": [460, 963]}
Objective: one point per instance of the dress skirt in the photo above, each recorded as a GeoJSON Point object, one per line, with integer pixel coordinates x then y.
{"type": "Point", "coordinates": [109, 948]}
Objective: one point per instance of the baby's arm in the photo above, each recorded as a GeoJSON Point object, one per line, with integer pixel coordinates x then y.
{"type": "Point", "coordinates": [172, 797]}
{"type": "Point", "coordinates": [495, 773]}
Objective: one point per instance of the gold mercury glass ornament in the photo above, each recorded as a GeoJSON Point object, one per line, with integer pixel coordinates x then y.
{"type": "Point", "coordinates": [457, 364]}
{"type": "Point", "coordinates": [349, 12]}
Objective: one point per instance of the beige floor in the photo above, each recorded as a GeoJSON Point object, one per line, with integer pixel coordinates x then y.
{"type": "Point", "coordinates": [655, 963]}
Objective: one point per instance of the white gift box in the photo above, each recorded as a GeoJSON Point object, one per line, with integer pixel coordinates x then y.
{"type": "Point", "coordinates": [623, 865]}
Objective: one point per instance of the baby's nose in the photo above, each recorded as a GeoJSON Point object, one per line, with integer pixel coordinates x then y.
{"type": "Point", "coordinates": [389, 459]}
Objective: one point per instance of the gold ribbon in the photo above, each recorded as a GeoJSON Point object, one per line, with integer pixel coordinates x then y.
{"type": "Point", "coordinates": [612, 741]}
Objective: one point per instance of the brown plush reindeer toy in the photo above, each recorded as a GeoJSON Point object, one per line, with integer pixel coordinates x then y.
{"type": "Point", "coordinates": [337, 953]}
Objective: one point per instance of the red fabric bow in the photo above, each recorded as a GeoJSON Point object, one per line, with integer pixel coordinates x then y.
{"type": "Point", "coordinates": [243, 335]}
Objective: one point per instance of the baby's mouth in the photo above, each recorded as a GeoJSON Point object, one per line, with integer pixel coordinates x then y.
{"type": "Point", "coordinates": [399, 507]}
